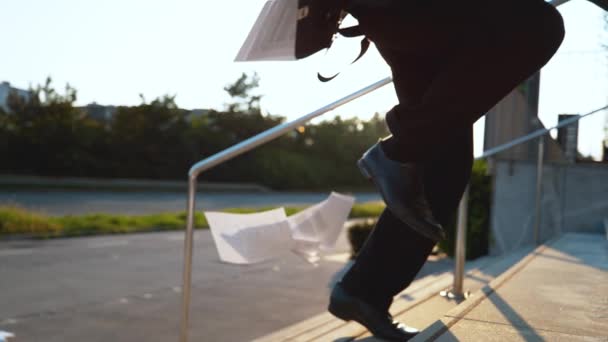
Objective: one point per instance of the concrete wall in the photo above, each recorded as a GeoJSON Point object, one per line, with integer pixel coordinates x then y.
{"type": "Point", "coordinates": [509, 119]}
{"type": "Point", "coordinates": [575, 199]}
{"type": "Point", "coordinates": [512, 118]}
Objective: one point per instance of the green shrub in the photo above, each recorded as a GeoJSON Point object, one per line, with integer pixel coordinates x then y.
{"type": "Point", "coordinates": [478, 223]}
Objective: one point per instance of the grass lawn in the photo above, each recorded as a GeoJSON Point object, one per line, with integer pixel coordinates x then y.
{"type": "Point", "coordinates": [18, 221]}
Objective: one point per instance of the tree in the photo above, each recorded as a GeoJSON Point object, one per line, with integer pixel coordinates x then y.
{"type": "Point", "coordinates": [46, 134]}
{"type": "Point", "coordinates": [241, 92]}
{"type": "Point", "coordinates": [147, 140]}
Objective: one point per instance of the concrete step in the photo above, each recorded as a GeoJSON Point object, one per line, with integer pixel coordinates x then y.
{"type": "Point", "coordinates": [419, 305]}
{"type": "Point", "coordinates": [559, 292]}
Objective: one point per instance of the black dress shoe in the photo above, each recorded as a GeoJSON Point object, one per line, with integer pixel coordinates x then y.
{"type": "Point", "coordinates": [380, 324]}
{"type": "Point", "coordinates": [402, 189]}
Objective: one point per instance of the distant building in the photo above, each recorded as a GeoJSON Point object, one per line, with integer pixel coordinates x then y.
{"type": "Point", "coordinates": [5, 91]}
{"type": "Point", "coordinates": [514, 117]}
{"type": "Point", "coordinates": [567, 137]}
{"type": "Point", "coordinates": [104, 114]}
{"type": "Point", "coordinates": [99, 112]}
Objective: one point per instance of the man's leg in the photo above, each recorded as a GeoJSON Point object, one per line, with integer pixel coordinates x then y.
{"type": "Point", "coordinates": [489, 47]}
{"type": "Point", "coordinates": [394, 253]}
{"type": "Point", "coordinates": [388, 262]}
{"type": "Point", "coordinates": [477, 77]}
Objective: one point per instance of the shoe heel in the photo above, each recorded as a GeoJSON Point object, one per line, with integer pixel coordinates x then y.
{"type": "Point", "coordinates": [339, 312]}
{"type": "Point", "coordinates": [363, 169]}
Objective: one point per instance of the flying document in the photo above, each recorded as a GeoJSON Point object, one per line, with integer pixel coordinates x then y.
{"type": "Point", "coordinates": [273, 36]}
{"type": "Point", "coordinates": [252, 238]}
{"type": "Point", "coordinates": [287, 30]}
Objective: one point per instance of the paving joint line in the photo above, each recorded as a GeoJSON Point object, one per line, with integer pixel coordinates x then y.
{"type": "Point", "coordinates": [490, 288]}
{"type": "Point", "coordinates": [522, 327]}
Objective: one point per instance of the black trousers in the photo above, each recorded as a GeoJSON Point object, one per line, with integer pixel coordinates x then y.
{"type": "Point", "coordinates": [393, 254]}
{"type": "Point", "coordinates": [454, 60]}
{"type": "Point", "coordinates": [451, 62]}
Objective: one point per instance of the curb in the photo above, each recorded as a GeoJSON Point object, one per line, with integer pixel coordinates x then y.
{"type": "Point", "coordinates": [67, 183]}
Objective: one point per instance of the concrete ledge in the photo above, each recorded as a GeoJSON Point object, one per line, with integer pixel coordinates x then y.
{"type": "Point", "coordinates": [121, 184]}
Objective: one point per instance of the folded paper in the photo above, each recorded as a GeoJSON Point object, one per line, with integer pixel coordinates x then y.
{"type": "Point", "coordinates": [252, 238]}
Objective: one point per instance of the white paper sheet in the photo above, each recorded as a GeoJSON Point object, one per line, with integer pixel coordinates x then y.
{"type": "Point", "coordinates": [251, 238]}
{"type": "Point", "coordinates": [324, 221]}
{"type": "Point", "coordinates": [273, 36]}
{"type": "Point", "coordinates": [6, 336]}
{"type": "Point", "coordinates": [241, 248]}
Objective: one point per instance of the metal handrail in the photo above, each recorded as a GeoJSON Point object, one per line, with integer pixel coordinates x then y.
{"type": "Point", "coordinates": [457, 289]}
{"type": "Point", "coordinates": [536, 134]}
{"type": "Point", "coordinates": [231, 153]}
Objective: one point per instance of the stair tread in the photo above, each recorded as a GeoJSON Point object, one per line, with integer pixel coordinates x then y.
{"type": "Point", "coordinates": [419, 305]}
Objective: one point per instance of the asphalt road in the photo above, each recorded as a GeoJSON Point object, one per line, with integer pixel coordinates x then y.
{"type": "Point", "coordinates": [127, 288]}
{"type": "Point", "coordinates": [84, 202]}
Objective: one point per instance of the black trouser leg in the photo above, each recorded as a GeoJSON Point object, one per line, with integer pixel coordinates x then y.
{"type": "Point", "coordinates": [451, 62]}
{"type": "Point", "coordinates": [388, 262]}
{"type": "Point", "coordinates": [394, 253]}
{"type": "Point", "coordinates": [478, 51]}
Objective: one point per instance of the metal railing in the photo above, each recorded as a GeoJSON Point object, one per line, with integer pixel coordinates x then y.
{"type": "Point", "coordinates": [221, 157]}
{"type": "Point", "coordinates": [457, 288]}
{"type": "Point", "coordinates": [273, 133]}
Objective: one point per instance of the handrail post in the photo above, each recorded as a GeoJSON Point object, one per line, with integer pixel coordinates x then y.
{"type": "Point", "coordinates": [456, 292]}
{"type": "Point", "coordinates": [461, 245]}
{"type": "Point", "coordinates": [187, 272]}
{"type": "Point", "coordinates": [539, 188]}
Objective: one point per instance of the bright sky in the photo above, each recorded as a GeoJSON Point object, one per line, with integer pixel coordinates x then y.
{"type": "Point", "coordinates": [113, 50]}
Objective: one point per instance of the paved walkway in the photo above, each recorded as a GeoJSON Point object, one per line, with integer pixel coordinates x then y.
{"type": "Point", "coordinates": [557, 293]}
{"type": "Point", "coordinates": [419, 305]}
{"type": "Point", "coordinates": [127, 288]}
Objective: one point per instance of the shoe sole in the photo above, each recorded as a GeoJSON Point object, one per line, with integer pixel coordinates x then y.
{"type": "Point", "coordinates": [340, 312]}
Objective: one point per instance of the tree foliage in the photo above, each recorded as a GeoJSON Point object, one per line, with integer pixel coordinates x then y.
{"type": "Point", "coordinates": [48, 136]}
